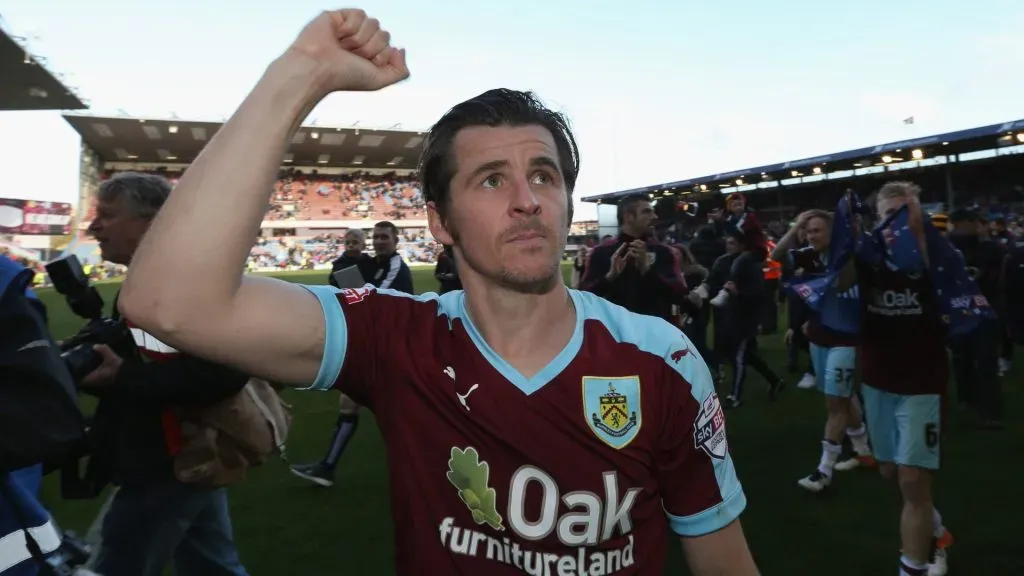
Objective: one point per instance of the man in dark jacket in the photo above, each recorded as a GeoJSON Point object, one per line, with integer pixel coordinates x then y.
{"type": "Point", "coordinates": [389, 270]}
{"type": "Point", "coordinates": [707, 247]}
{"type": "Point", "coordinates": [355, 244]}
{"type": "Point", "coordinates": [633, 269]}
{"type": "Point", "coordinates": [976, 355]}
{"type": "Point", "coordinates": [739, 221]}
{"type": "Point", "coordinates": [153, 517]}
{"type": "Point", "coordinates": [745, 289]}
{"type": "Point", "coordinates": [446, 273]}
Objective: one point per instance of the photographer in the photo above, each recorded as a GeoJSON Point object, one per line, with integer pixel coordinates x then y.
{"type": "Point", "coordinates": [137, 430]}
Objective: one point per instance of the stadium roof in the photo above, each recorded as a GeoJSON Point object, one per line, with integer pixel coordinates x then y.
{"type": "Point", "coordinates": [25, 84]}
{"type": "Point", "coordinates": [163, 141]}
{"type": "Point", "coordinates": [949, 143]}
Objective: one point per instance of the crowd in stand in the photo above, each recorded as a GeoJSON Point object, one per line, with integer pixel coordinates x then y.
{"type": "Point", "coordinates": [305, 253]}
{"type": "Point", "coordinates": [350, 196]}
{"type": "Point", "coordinates": [314, 196]}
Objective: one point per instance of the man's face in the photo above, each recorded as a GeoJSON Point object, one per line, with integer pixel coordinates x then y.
{"type": "Point", "coordinates": [641, 219]}
{"type": "Point", "coordinates": [732, 245]}
{"type": "Point", "coordinates": [354, 245]}
{"type": "Point", "coordinates": [889, 206]}
{"type": "Point", "coordinates": [384, 241]}
{"type": "Point", "coordinates": [508, 213]}
{"type": "Point", "coordinates": [117, 230]}
{"type": "Point", "coordinates": [817, 233]}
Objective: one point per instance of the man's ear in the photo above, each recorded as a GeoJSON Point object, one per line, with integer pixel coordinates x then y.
{"type": "Point", "coordinates": [437, 226]}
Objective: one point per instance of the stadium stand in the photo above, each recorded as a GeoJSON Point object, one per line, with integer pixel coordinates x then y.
{"type": "Point", "coordinates": [332, 180]}
{"type": "Point", "coordinates": [979, 166]}
{"type": "Point", "coordinates": [28, 85]}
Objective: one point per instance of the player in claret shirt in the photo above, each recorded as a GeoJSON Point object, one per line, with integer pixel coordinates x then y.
{"type": "Point", "coordinates": [529, 427]}
{"type": "Point", "coordinates": [833, 353]}
{"type": "Point", "coordinates": [905, 369]}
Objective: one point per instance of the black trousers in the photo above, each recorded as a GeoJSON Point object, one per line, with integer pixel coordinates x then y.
{"type": "Point", "coordinates": [1006, 343]}
{"type": "Point", "coordinates": [770, 308]}
{"type": "Point", "coordinates": [976, 369]}
{"type": "Point", "coordinates": [746, 355]}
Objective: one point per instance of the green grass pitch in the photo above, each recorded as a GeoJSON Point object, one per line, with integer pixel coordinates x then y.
{"type": "Point", "coordinates": [284, 526]}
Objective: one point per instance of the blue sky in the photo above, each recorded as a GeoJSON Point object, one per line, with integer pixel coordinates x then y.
{"type": "Point", "coordinates": [656, 90]}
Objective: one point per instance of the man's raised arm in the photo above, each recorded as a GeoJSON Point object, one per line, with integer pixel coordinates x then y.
{"type": "Point", "coordinates": [185, 284]}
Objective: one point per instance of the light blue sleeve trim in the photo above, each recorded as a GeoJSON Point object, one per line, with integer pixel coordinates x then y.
{"type": "Point", "coordinates": [657, 337]}
{"type": "Point", "coordinates": [712, 519]}
{"type": "Point", "coordinates": [335, 338]}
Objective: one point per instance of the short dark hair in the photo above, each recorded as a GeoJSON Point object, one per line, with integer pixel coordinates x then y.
{"type": "Point", "coordinates": [498, 107]}
{"type": "Point", "coordinates": [628, 206]}
{"type": "Point", "coordinates": [390, 226]}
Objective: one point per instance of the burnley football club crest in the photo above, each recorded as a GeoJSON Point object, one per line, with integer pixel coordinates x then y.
{"type": "Point", "coordinates": [612, 408]}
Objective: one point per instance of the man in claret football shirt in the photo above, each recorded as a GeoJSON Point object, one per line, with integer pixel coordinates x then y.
{"type": "Point", "coordinates": [529, 427]}
{"type": "Point", "coordinates": [833, 353]}
{"type": "Point", "coordinates": [905, 369]}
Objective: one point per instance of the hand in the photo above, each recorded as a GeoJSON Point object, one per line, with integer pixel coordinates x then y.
{"type": "Point", "coordinates": [695, 299]}
{"type": "Point", "coordinates": [787, 339]}
{"type": "Point", "coordinates": [805, 328]}
{"type": "Point", "coordinates": [730, 286]}
{"type": "Point", "coordinates": [106, 372]}
{"type": "Point", "coordinates": [915, 215]}
{"type": "Point", "coordinates": [351, 52]}
{"type": "Point", "coordinates": [638, 253]}
{"type": "Point", "coordinates": [802, 219]}
{"type": "Point", "coordinates": [619, 259]}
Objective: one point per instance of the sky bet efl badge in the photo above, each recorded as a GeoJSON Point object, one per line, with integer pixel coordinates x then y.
{"type": "Point", "coordinates": [612, 408]}
{"type": "Point", "coordinates": [709, 428]}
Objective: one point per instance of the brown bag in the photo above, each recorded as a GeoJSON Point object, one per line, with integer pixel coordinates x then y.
{"type": "Point", "coordinates": [221, 441]}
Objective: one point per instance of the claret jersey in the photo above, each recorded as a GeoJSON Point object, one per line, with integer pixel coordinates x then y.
{"type": "Point", "coordinates": [904, 337]}
{"type": "Point", "coordinates": [580, 469]}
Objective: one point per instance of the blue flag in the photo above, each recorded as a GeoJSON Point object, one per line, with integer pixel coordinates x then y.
{"type": "Point", "coordinates": [961, 303]}
{"type": "Point", "coordinates": [13, 275]}
{"type": "Point", "coordinates": [897, 242]}
{"type": "Point", "coordinates": [19, 502]}
{"type": "Point", "coordinates": [960, 300]}
{"type": "Point", "coordinates": [836, 311]}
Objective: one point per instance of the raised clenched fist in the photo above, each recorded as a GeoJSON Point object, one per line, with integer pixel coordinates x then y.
{"type": "Point", "coordinates": [351, 51]}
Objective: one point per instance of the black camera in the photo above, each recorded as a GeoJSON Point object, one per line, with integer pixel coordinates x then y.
{"type": "Point", "coordinates": [69, 279]}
